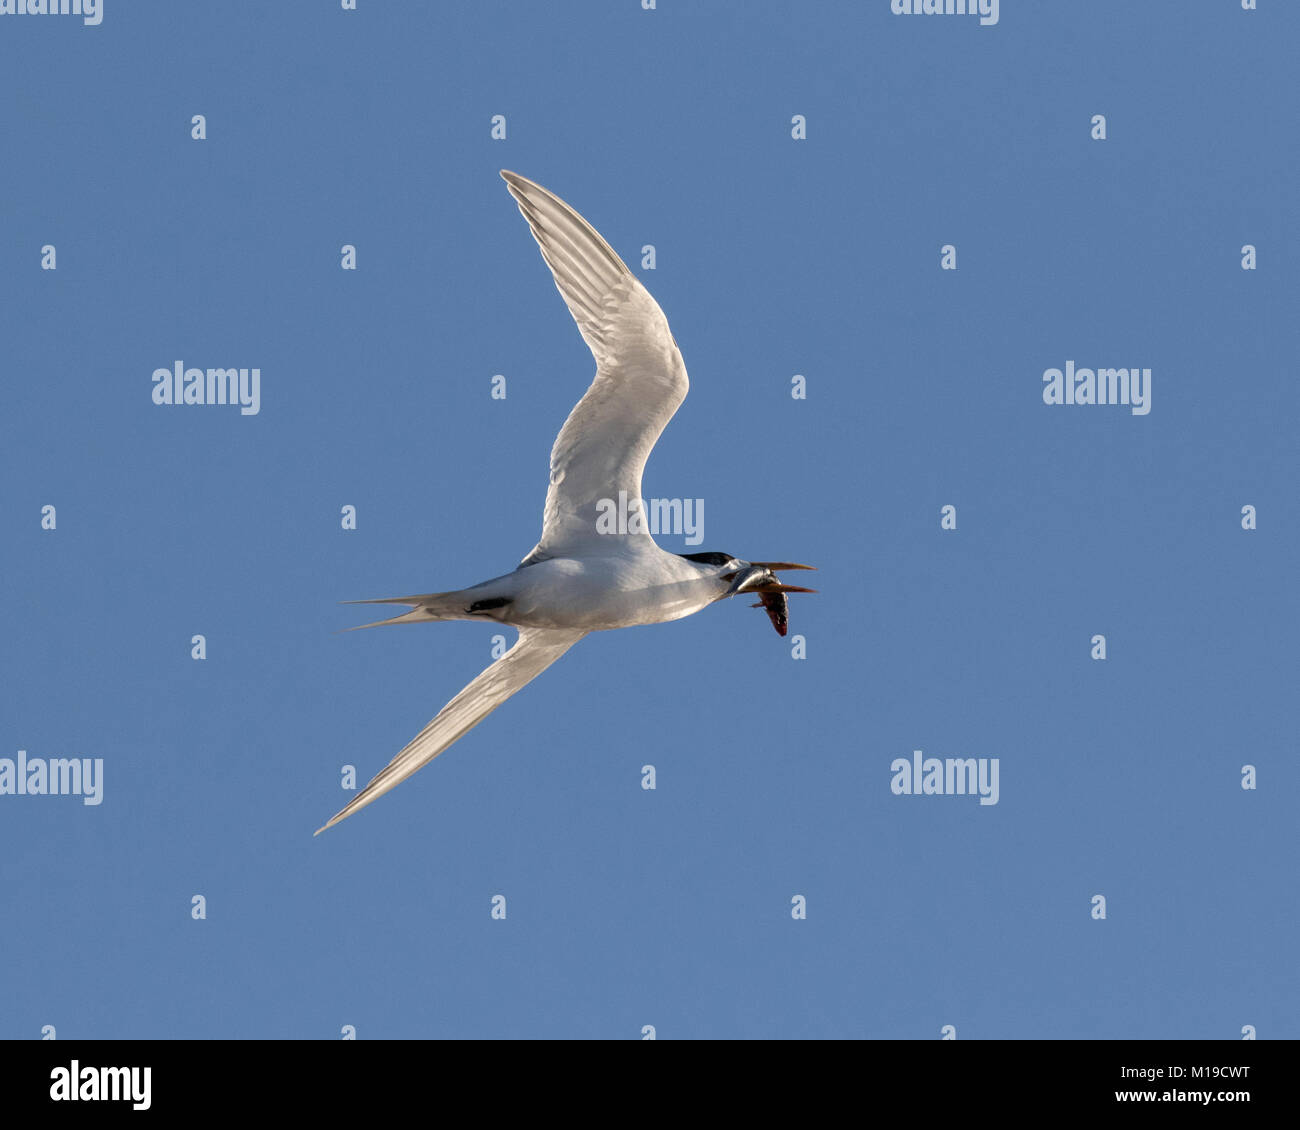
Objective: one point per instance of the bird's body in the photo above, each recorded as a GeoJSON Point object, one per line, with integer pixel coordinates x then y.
{"type": "Point", "coordinates": [623, 587]}
{"type": "Point", "coordinates": [579, 578]}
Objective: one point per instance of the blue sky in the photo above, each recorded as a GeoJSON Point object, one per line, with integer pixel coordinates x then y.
{"type": "Point", "coordinates": [820, 257]}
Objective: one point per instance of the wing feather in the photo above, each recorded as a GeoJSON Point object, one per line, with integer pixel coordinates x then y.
{"type": "Point", "coordinates": [534, 651]}
{"type": "Point", "coordinates": [640, 376]}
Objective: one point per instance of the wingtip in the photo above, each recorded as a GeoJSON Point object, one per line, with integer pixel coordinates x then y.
{"type": "Point", "coordinates": [521, 188]}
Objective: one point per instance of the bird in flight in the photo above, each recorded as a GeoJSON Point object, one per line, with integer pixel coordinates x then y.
{"type": "Point", "coordinates": [578, 578]}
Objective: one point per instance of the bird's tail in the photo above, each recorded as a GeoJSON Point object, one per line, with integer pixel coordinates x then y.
{"type": "Point", "coordinates": [425, 607]}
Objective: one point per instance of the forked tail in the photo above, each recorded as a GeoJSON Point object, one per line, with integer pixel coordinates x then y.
{"type": "Point", "coordinates": [424, 608]}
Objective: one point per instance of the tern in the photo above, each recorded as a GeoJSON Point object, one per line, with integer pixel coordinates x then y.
{"type": "Point", "coordinates": [578, 579]}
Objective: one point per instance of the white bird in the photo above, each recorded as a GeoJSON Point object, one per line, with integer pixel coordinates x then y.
{"type": "Point", "coordinates": [577, 579]}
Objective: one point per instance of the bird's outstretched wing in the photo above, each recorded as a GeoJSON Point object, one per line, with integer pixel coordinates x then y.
{"type": "Point", "coordinates": [640, 376]}
{"type": "Point", "coordinates": [534, 651]}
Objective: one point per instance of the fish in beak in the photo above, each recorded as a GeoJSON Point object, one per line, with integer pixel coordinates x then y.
{"type": "Point", "coordinates": [760, 578]}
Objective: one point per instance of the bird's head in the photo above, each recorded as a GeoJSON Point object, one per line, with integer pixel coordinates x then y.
{"type": "Point", "coordinates": [758, 577]}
